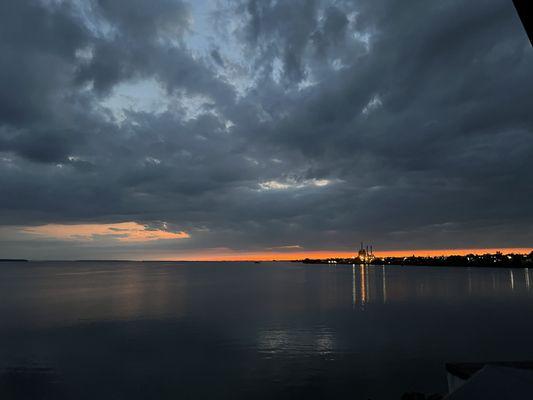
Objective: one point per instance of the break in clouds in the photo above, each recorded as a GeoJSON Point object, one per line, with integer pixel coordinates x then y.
{"type": "Point", "coordinates": [262, 125]}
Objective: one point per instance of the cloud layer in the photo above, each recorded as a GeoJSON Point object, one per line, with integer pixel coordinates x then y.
{"type": "Point", "coordinates": [252, 125]}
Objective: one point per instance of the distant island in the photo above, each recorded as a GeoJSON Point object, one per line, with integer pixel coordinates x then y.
{"type": "Point", "coordinates": [470, 260]}
{"type": "Point", "coordinates": [13, 260]}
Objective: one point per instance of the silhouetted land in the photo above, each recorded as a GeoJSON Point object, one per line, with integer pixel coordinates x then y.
{"type": "Point", "coordinates": [469, 260]}
{"type": "Point", "coordinates": [12, 260]}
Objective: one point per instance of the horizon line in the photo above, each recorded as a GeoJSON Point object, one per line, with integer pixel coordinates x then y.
{"type": "Point", "coordinates": [301, 255]}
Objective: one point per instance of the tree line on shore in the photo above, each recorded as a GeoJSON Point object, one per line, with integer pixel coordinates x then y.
{"type": "Point", "coordinates": [498, 259]}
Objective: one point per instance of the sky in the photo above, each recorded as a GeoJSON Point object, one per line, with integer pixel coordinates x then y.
{"type": "Point", "coordinates": [235, 129]}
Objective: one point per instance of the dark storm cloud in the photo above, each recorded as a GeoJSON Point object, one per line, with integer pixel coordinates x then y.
{"type": "Point", "coordinates": [215, 54]}
{"type": "Point", "coordinates": [38, 51]}
{"type": "Point", "coordinates": [408, 123]}
{"type": "Point", "coordinates": [146, 39]}
{"type": "Point", "coordinates": [420, 126]}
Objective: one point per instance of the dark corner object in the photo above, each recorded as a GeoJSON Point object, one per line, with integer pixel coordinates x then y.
{"type": "Point", "coordinates": [490, 380]}
{"type": "Point", "coordinates": [524, 7]}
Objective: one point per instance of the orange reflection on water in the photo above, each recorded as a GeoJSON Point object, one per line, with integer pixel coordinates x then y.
{"type": "Point", "coordinates": [364, 284]}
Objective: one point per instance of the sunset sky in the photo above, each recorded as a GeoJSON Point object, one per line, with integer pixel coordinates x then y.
{"type": "Point", "coordinates": [261, 129]}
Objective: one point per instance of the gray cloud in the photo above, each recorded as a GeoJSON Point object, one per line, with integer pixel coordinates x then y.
{"type": "Point", "coordinates": [311, 123]}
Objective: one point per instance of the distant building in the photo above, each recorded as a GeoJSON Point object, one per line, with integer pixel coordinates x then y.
{"type": "Point", "coordinates": [365, 255]}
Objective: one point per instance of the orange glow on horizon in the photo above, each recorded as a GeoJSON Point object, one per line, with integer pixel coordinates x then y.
{"type": "Point", "coordinates": [225, 255]}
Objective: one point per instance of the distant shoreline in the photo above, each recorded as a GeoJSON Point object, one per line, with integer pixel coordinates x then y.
{"type": "Point", "coordinates": [497, 260]}
{"type": "Point", "coordinates": [494, 260]}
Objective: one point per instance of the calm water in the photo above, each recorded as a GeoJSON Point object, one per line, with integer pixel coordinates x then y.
{"type": "Point", "coordinates": [248, 331]}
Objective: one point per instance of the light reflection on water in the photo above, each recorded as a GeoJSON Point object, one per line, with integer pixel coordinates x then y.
{"type": "Point", "coordinates": [296, 343]}
{"type": "Point", "coordinates": [273, 330]}
{"type": "Point", "coordinates": [369, 283]}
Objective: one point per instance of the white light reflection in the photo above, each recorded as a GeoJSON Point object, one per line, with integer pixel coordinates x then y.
{"type": "Point", "coordinates": [384, 284]}
{"type": "Point", "coordinates": [364, 286]}
{"type": "Point", "coordinates": [273, 342]}
{"type": "Point", "coordinates": [354, 291]}
{"type": "Point", "coordinates": [368, 285]}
